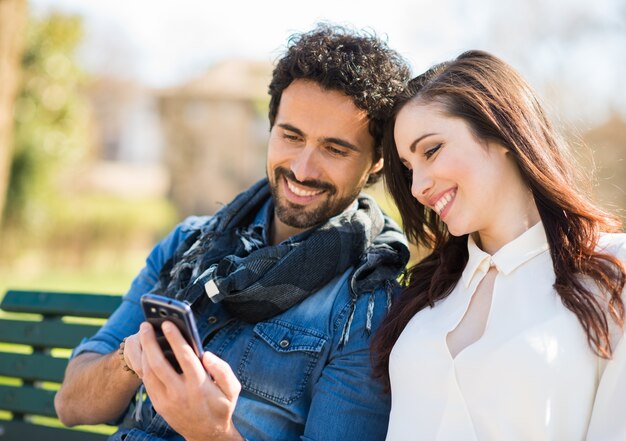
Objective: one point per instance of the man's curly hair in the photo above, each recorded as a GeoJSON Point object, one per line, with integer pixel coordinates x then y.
{"type": "Point", "coordinates": [356, 63]}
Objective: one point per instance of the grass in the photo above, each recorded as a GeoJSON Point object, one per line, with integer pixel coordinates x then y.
{"type": "Point", "coordinates": [109, 273]}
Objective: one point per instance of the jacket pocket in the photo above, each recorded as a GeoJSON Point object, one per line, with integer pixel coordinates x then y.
{"type": "Point", "coordinates": [279, 360]}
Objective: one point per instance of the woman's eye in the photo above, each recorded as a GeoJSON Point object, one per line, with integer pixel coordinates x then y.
{"type": "Point", "coordinates": [431, 151]}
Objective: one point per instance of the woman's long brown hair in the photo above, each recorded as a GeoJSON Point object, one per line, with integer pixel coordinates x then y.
{"type": "Point", "coordinates": [498, 105]}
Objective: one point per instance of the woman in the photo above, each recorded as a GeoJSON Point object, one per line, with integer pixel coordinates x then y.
{"type": "Point", "coordinates": [510, 329]}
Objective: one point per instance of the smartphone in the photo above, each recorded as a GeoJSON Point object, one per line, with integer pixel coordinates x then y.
{"type": "Point", "coordinates": [157, 309]}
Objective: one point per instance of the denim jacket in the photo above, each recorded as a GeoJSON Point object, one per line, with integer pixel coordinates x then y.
{"type": "Point", "coordinates": [298, 382]}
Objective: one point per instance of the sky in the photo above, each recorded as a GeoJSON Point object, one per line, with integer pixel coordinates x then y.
{"type": "Point", "coordinates": [572, 51]}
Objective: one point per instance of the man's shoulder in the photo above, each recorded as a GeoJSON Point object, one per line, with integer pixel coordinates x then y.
{"type": "Point", "coordinates": [373, 302]}
{"type": "Point", "coordinates": [343, 288]}
{"type": "Point", "coordinates": [188, 226]}
{"type": "Point", "coordinates": [168, 245]}
{"type": "Point", "coordinates": [194, 223]}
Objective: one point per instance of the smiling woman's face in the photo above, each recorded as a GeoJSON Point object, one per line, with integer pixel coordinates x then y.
{"type": "Point", "coordinates": [468, 182]}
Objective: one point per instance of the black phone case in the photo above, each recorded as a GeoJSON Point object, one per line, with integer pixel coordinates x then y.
{"type": "Point", "coordinates": [157, 309]}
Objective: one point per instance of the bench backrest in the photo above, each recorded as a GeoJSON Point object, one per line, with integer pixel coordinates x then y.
{"type": "Point", "coordinates": [35, 327]}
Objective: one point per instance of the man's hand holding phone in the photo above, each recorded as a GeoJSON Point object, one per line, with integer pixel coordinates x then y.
{"type": "Point", "coordinates": [159, 309]}
{"type": "Point", "coordinates": [185, 385]}
{"type": "Point", "coordinates": [132, 354]}
{"type": "Point", "coordinates": [205, 391]}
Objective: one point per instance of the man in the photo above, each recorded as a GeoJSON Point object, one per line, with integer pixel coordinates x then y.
{"type": "Point", "coordinates": [286, 282]}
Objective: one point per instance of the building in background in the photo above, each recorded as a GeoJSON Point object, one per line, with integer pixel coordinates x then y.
{"type": "Point", "coordinates": [128, 126]}
{"type": "Point", "coordinates": [127, 158]}
{"type": "Point", "coordinates": [216, 132]}
{"type": "Point", "coordinates": [199, 144]}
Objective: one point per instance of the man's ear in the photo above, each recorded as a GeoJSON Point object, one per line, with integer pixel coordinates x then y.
{"type": "Point", "coordinates": [377, 166]}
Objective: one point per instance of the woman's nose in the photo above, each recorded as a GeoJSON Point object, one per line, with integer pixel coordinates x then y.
{"type": "Point", "coordinates": [421, 186]}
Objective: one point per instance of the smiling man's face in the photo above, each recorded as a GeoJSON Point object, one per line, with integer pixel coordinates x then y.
{"type": "Point", "coordinates": [320, 156]}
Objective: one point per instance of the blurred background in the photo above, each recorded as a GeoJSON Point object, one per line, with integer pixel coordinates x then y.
{"type": "Point", "coordinates": [118, 118]}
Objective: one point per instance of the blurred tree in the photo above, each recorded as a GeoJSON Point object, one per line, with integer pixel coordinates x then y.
{"type": "Point", "coordinates": [51, 119]}
{"type": "Point", "coordinates": [12, 22]}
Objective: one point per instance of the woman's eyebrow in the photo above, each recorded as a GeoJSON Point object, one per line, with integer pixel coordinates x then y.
{"type": "Point", "coordinates": [413, 145]}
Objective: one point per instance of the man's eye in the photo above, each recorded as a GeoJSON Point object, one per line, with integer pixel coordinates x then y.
{"type": "Point", "coordinates": [431, 151]}
{"type": "Point", "coordinates": [291, 137]}
{"type": "Point", "coordinates": [336, 151]}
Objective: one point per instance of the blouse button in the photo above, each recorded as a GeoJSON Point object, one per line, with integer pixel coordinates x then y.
{"type": "Point", "coordinates": [212, 320]}
{"type": "Point", "coordinates": [283, 343]}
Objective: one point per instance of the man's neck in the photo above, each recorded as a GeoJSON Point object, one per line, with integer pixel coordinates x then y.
{"type": "Point", "coordinates": [280, 232]}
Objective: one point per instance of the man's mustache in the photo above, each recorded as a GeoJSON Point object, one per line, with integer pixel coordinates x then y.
{"type": "Point", "coordinates": [311, 183]}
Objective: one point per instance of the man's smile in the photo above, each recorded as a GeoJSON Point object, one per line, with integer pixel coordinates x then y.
{"type": "Point", "coordinates": [300, 190]}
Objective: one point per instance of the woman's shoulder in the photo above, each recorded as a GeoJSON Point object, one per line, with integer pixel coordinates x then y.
{"type": "Point", "coordinates": [613, 244]}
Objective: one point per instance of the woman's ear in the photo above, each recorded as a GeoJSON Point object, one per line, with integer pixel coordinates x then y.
{"type": "Point", "coordinates": [496, 147]}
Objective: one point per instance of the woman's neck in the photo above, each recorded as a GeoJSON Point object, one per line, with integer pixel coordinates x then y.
{"type": "Point", "coordinates": [515, 219]}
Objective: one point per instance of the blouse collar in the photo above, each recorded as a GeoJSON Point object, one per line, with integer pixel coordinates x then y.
{"type": "Point", "coordinates": [520, 250]}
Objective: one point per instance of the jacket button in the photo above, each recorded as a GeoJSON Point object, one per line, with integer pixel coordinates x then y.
{"type": "Point", "coordinates": [283, 343]}
{"type": "Point", "coordinates": [212, 320]}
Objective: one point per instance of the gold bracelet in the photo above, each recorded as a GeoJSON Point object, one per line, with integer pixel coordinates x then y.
{"type": "Point", "coordinates": [120, 352]}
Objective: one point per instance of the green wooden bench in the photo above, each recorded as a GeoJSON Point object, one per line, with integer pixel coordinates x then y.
{"type": "Point", "coordinates": [36, 330]}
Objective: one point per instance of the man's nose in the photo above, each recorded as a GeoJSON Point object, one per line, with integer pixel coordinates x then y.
{"type": "Point", "coordinates": [305, 164]}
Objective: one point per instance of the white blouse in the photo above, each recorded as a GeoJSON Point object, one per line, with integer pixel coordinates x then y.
{"type": "Point", "coordinates": [531, 376]}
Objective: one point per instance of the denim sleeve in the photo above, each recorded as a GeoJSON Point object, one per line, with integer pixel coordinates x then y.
{"type": "Point", "coordinates": [348, 404]}
{"type": "Point", "coordinates": [126, 319]}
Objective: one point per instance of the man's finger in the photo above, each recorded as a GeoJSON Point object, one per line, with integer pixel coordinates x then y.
{"type": "Point", "coordinates": [153, 360]}
{"type": "Point", "coordinates": [222, 374]}
{"type": "Point", "coordinates": [185, 355]}
{"type": "Point", "coordinates": [132, 354]}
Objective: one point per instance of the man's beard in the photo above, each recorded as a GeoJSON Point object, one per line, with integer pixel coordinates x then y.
{"type": "Point", "coordinates": [299, 216]}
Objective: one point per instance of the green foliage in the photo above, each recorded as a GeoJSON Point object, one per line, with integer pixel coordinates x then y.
{"type": "Point", "coordinates": [52, 239]}
{"type": "Point", "coordinates": [55, 236]}
{"type": "Point", "coordinates": [89, 243]}
{"type": "Point", "coordinates": [50, 117]}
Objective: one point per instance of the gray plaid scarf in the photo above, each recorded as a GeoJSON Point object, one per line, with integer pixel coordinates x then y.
{"type": "Point", "coordinates": [256, 282]}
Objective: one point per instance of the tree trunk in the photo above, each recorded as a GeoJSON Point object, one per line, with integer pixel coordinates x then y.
{"type": "Point", "coordinates": [12, 29]}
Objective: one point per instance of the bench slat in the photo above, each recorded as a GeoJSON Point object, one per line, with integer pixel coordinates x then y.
{"type": "Point", "coordinates": [51, 332]}
{"type": "Point", "coordinates": [48, 334]}
{"type": "Point", "coordinates": [22, 431]}
{"type": "Point", "coordinates": [28, 400]}
{"type": "Point", "coordinates": [32, 367]}
{"type": "Point", "coordinates": [55, 303]}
